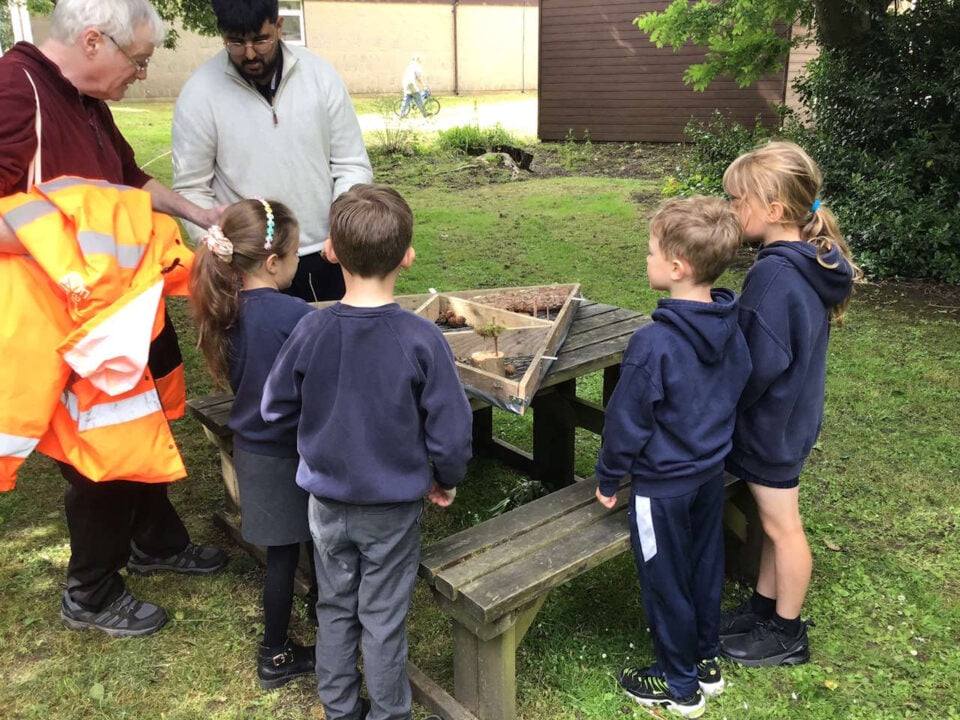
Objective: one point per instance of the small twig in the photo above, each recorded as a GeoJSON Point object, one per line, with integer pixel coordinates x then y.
{"type": "Point", "coordinates": [946, 307]}
{"type": "Point", "coordinates": [456, 169]}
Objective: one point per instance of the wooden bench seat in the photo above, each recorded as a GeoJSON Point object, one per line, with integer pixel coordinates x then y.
{"type": "Point", "coordinates": [492, 580]}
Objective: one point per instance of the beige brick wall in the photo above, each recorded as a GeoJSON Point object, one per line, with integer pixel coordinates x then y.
{"type": "Point", "coordinates": [798, 59]}
{"type": "Point", "coordinates": [371, 43]}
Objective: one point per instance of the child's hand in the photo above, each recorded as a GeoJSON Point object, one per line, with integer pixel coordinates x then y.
{"type": "Point", "coordinates": [441, 496]}
{"type": "Point", "coordinates": [607, 502]}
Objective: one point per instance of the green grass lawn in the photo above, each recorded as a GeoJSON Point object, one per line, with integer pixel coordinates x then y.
{"type": "Point", "coordinates": [880, 497]}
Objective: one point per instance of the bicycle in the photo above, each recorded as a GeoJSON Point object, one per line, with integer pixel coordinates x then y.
{"type": "Point", "coordinates": [431, 105]}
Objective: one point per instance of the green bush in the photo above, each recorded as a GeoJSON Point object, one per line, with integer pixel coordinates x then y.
{"type": "Point", "coordinates": [885, 131]}
{"type": "Point", "coordinates": [474, 140]}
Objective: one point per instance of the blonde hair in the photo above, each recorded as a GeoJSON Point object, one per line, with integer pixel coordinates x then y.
{"type": "Point", "coordinates": [703, 231]}
{"type": "Point", "coordinates": [782, 172]}
{"type": "Point", "coordinates": [215, 282]}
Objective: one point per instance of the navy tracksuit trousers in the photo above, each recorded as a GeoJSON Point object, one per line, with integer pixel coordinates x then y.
{"type": "Point", "coordinates": [678, 546]}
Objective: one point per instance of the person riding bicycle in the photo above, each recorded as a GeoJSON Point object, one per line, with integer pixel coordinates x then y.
{"type": "Point", "coordinates": [413, 87]}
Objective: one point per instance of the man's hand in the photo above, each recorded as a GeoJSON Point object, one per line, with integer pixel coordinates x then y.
{"type": "Point", "coordinates": [211, 216]}
{"type": "Point", "coordinates": [607, 502]}
{"type": "Point", "coordinates": [441, 496]}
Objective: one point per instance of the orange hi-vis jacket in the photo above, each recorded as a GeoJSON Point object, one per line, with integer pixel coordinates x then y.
{"type": "Point", "coordinates": [79, 313]}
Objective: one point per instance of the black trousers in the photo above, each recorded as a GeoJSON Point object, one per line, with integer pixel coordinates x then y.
{"type": "Point", "coordinates": [317, 280]}
{"type": "Point", "coordinates": [103, 519]}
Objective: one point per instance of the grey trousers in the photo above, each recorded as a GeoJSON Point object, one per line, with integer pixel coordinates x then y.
{"type": "Point", "coordinates": [367, 558]}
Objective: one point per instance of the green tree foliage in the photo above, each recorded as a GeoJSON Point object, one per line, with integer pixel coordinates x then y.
{"type": "Point", "coordinates": [744, 39]}
{"type": "Point", "coordinates": [885, 130]}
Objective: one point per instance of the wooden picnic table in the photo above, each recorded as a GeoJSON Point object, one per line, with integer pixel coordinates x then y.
{"type": "Point", "coordinates": [493, 578]}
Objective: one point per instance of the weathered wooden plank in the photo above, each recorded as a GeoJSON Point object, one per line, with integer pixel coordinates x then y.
{"type": "Point", "coordinates": [516, 584]}
{"type": "Point", "coordinates": [212, 412]}
{"type": "Point", "coordinates": [455, 548]}
{"type": "Point", "coordinates": [434, 698]}
{"type": "Point", "coordinates": [604, 320]}
{"type": "Point", "coordinates": [523, 545]}
{"type": "Point", "coordinates": [602, 333]}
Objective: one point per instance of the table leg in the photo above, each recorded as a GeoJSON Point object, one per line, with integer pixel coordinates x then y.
{"type": "Point", "coordinates": [482, 430]}
{"type": "Point", "coordinates": [554, 436]}
{"type": "Point", "coordinates": [484, 673]}
{"type": "Point", "coordinates": [611, 375]}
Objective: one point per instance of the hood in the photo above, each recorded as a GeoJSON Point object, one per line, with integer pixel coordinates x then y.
{"type": "Point", "coordinates": [708, 327]}
{"type": "Point", "coordinates": [832, 284]}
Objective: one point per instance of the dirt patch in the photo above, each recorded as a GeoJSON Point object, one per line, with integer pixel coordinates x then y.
{"type": "Point", "coordinates": [648, 161]}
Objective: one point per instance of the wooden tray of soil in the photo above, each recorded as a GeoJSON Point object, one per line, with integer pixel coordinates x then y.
{"type": "Point", "coordinates": [503, 339]}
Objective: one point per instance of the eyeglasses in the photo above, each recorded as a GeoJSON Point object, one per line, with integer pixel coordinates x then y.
{"type": "Point", "coordinates": [141, 66]}
{"type": "Point", "coordinates": [239, 47]}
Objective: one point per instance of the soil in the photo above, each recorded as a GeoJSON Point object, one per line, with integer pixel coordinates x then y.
{"type": "Point", "coordinates": [527, 301]}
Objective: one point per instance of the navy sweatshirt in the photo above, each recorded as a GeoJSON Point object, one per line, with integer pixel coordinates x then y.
{"type": "Point", "coordinates": [266, 319]}
{"type": "Point", "coordinates": [785, 317]}
{"type": "Point", "coordinates": [378, 397]}
{"type": "Point", "coordinates": [670, 419]}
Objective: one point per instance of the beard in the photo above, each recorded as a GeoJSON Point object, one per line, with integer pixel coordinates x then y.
{"type": "Point", "coordinates": [258, 70]}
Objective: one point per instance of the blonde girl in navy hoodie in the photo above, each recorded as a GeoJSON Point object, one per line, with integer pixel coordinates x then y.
{"type": "Point", "coordinates": [799, 284]}
{"type": "Point", "coordinates": [242, 322]}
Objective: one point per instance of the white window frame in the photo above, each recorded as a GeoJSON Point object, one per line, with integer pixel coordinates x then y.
{"type": "Point", "coordinates": [297, 13]}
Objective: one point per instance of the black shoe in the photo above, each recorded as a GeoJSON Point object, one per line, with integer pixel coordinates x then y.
{"type": "Point", "coordinates": [124, 617]}
{"type": "Point", "coordinates": [653, 691]}
{"type": "Point", "coordinates": [192, 560]}
{"type": "Point", "coordinates": [278, 666]}
{"type": "Point", "coordinates": [767, 645]}
{"type": "Point", "coordinates": [739, 620]}
{"type": "Point", "coordinates": [709, 677]}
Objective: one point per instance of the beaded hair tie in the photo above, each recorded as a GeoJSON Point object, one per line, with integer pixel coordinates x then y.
{"type": "Point", "coordinates": [270, 224]}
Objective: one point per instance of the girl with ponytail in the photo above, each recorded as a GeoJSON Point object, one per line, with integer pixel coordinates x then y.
{"type": "Point", "coordinates": [242, 321]}
{"type": "Point", "coordinates": [799, 284]}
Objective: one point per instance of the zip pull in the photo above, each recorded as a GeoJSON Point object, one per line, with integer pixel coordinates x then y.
{"type": "Point", "coordinates": [274, 111]}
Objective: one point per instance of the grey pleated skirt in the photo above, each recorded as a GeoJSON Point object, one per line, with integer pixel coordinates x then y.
{"type": "Point", "coordinates": [273, 507]}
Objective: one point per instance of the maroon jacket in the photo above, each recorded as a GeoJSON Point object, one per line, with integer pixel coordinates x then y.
{"type": "Point", "coordinates": [79, 135]}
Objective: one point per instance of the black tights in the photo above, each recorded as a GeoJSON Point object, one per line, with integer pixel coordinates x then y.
{"type": "Point", "coordinates": [278, 591]}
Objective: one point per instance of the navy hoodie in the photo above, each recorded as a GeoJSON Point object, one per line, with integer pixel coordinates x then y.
{"type": "Point", "coordinates": [378, 397]}
{"type": "Point", "coordinates": [785, 317]}
{"type": "Point", "coordinates": [266, 319]}
{"type": "Point", "coordinates": [670, 419]}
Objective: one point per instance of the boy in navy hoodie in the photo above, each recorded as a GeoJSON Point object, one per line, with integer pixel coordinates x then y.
{"type": "Point", "coordinates": [668, 427]}
{"type": "Point", "coordinates": [383, 421]}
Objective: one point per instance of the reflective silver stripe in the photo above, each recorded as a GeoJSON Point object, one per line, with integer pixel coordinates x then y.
{"type": "Point", "coordinates": [28, 212]}
{"type": "Point", "coordinates": [68, 182]}
{"type": "Point", "coordinates": [644, 520]}
{"type": "Point", "coordinates": [129, 256]}
{"type": "Point", "coordinates": [112, 413]}
{"type": "Point", "coordinates": [94, 243]}
{"type": "Point", "coordinates": [16, 445]}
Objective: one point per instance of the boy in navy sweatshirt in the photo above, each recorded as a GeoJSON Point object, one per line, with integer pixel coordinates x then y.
{"type": "Point", "coordinates": [668, 427]}
{"type": "Point", "coordinates": [383, 421]}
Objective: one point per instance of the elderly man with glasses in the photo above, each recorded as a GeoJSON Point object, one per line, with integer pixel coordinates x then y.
{"type": "Point", "coordinates": [94, 53]}
{"type": "Point", "coordinates": [263, 118]}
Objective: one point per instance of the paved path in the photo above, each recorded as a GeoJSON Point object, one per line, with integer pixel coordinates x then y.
{"type": "Point", "coordinates": [516, 116]}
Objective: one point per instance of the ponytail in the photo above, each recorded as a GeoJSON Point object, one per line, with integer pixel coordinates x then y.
{"type": "Point", "coordinates": [215, 291]}
{"type": "Point", "coordinates": [823, 231]}
{"type": "Point", "coordinates": [250, 231]}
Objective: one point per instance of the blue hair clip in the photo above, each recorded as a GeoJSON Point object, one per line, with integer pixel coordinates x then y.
{"type": "Point", "coordinates": [270, 224]}
{"type": "Point", "coordinates": [815, 206]}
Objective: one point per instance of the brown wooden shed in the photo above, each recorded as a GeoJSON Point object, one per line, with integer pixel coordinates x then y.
{"type": "Point", "coordinates": [599, 74]}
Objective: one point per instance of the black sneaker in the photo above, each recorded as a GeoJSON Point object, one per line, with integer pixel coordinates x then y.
{"type": "Point", "coordinates": [124, 617]}
{"type": "Point", "coordinates": [192, 560]}
{"type": "Point", "coordinates": [653, 691]}
{"type": "Point", "coordinates": [709, 677]}
{"type": "Point", "coordinates": [278, 666]}
{"type": "Point", "coordinates": [767, 645]}
{"type": "Point", "coordinates": [739, 620]}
